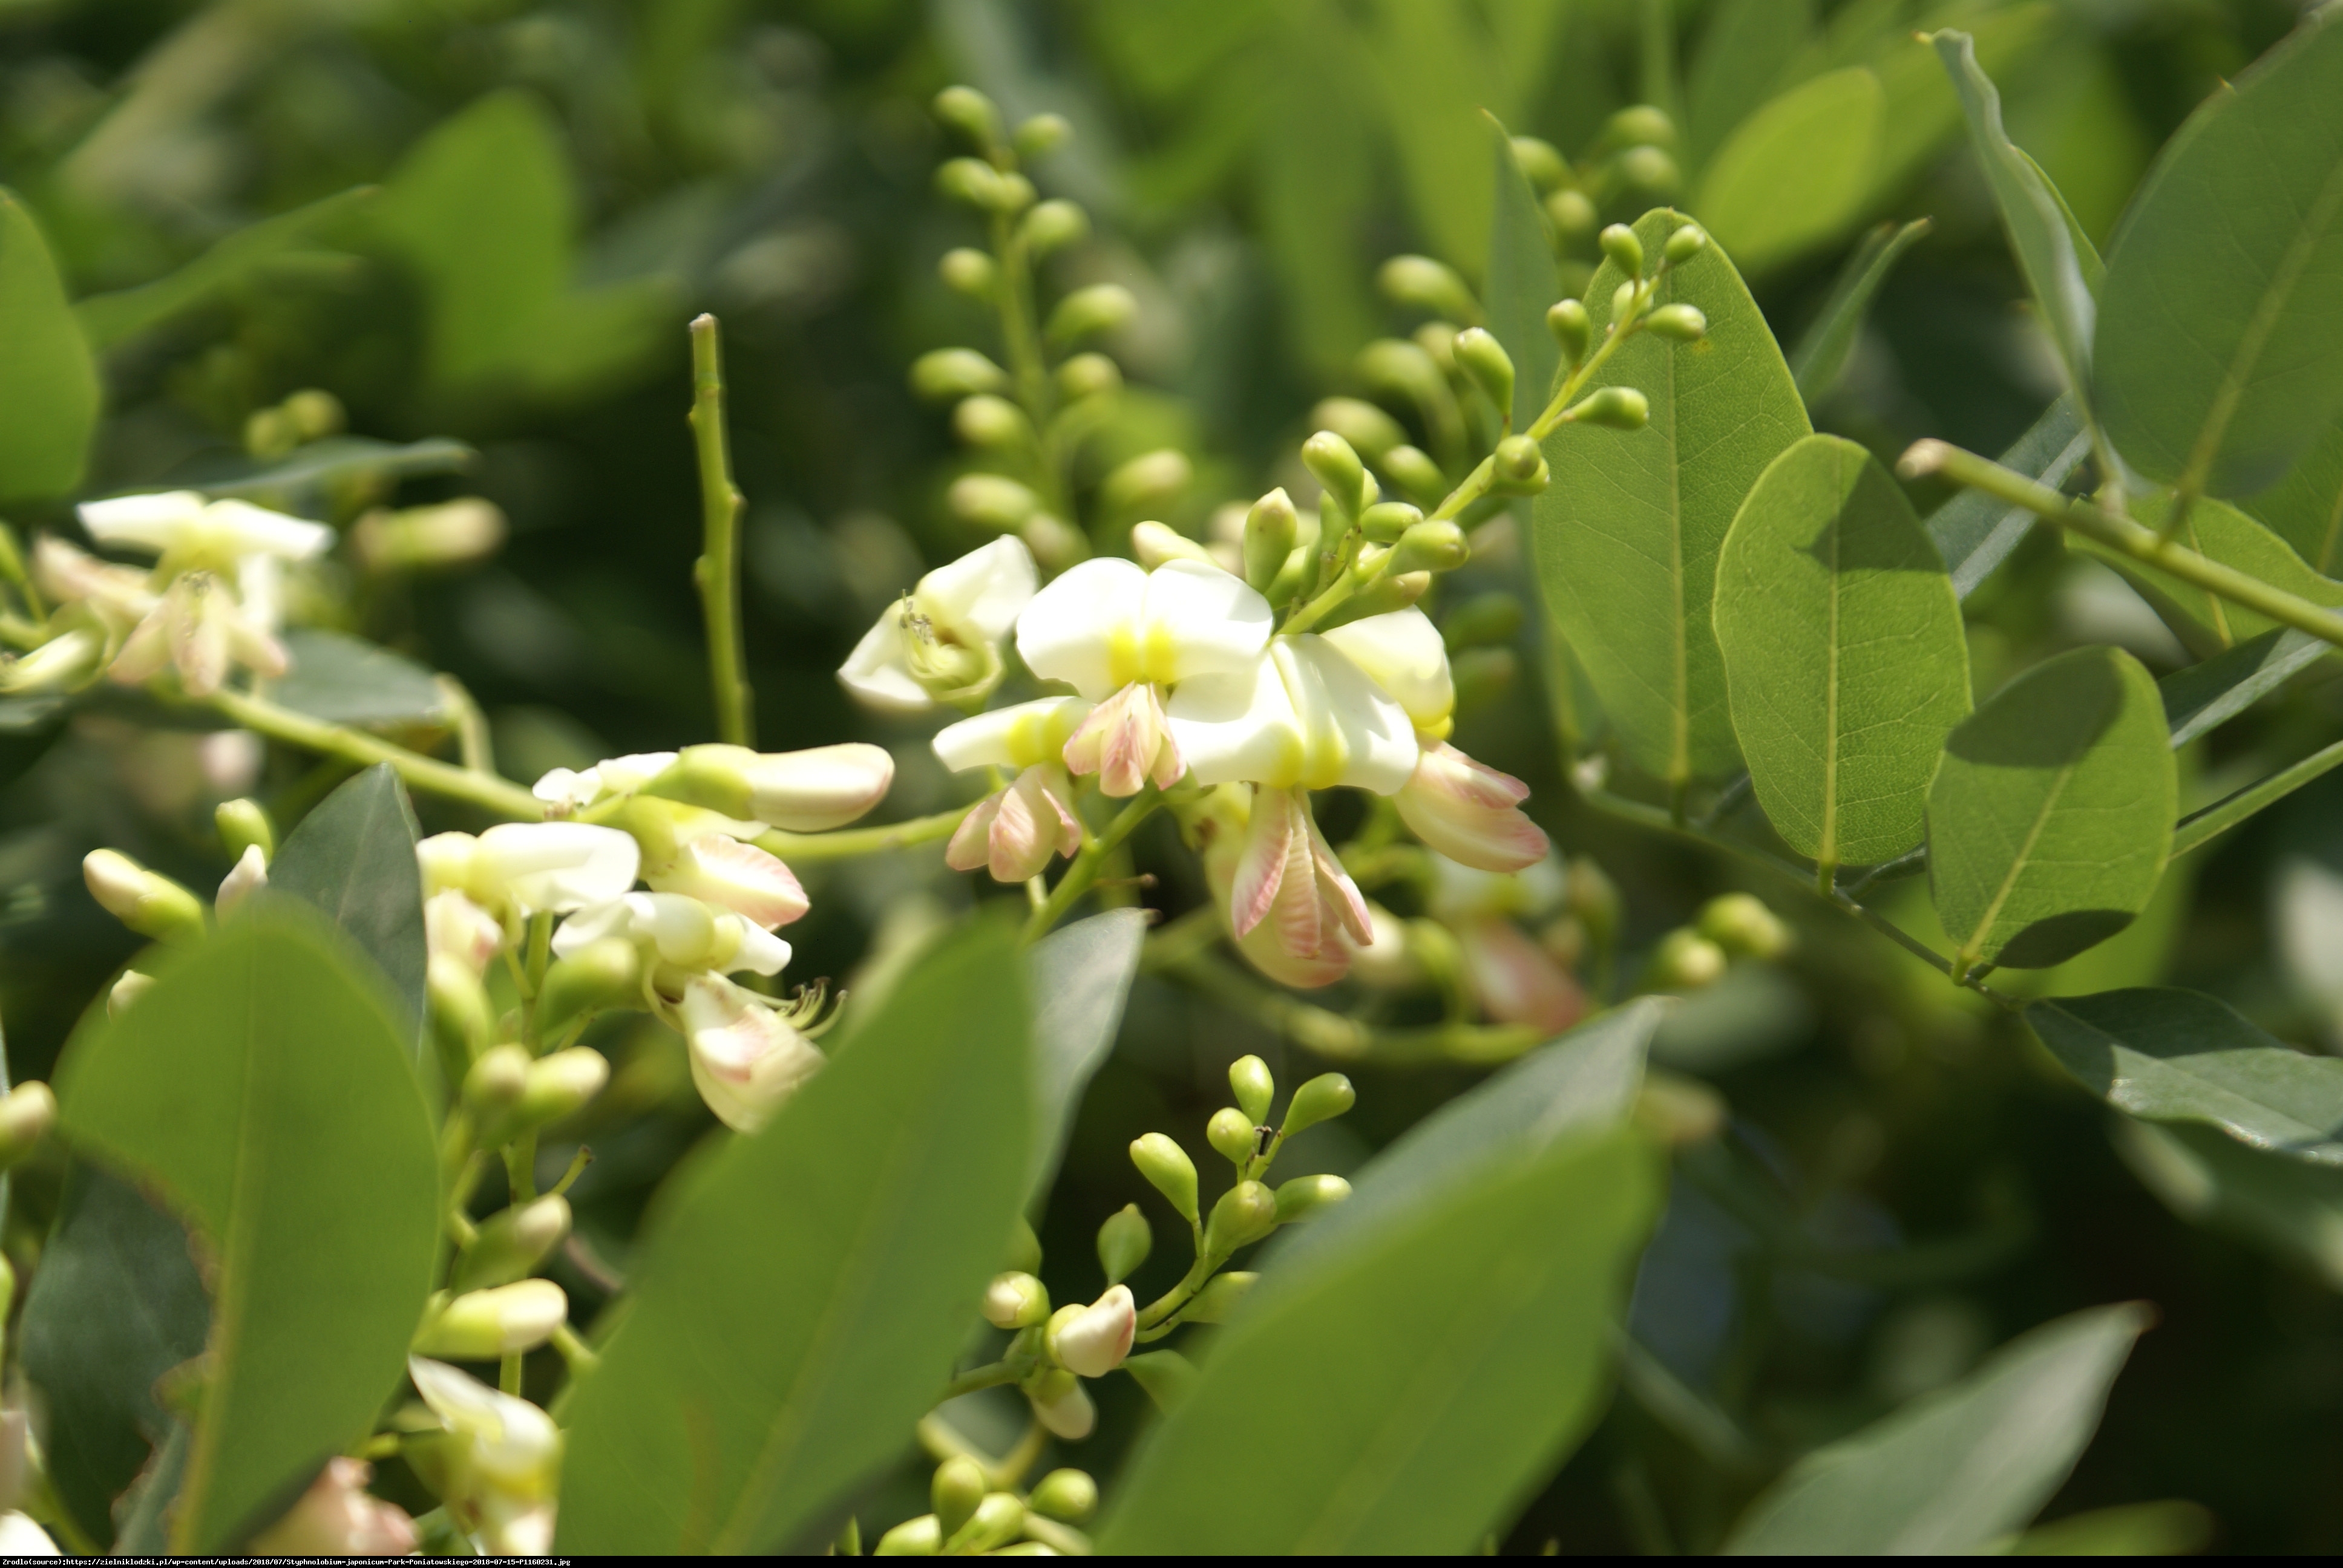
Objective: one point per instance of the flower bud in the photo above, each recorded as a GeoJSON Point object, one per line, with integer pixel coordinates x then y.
{"type": "Point", "coordinates": [1685, 243]}
{"type": "Point", "coordinates": [1486, 621]}
{"type": "Point", "coordinates": [246, 877]}
{"type": "Point", "coordinates": [986, 420]}
{"type": "Point", "coordinates": [970, 114]}
{"type": "Point", "coordinates": [944, 374]}
{"type": "Point", "coordinates": [1385, 521]}
{"type": "Point", "coordinates": [1685, 960]}
{"type": "Point", "coordinates": [808, 791]}
{"type": "Point", "coordinates": [1250, 1081]}
{"type": "Point", "coordinates": [1123, 1243]}
{"type": "Point", "coordinates": [601, 974]}
{"type": "Point", "coordinates": [974, 183]}
{"type": "Point", "coordinates": [1368, 429]}
{"type": "Point", "coordinates": [26, 1112]}
{"type": "Point", "coordinates": [1622, 249]}
{"type": "Point", "coordinates": [920, 1537]}
{"type": "Point", "coordinates": [1741, 923]}
{"type": "Point", "coordinates": [243, 825]}
{"type": "Point", "coordinates": [1379, 597]}
{"type": "Point", "coordinates": [969, 272]}
{"type": "Point", "coordinates": [991, 501]}
{"type": "Point", "coordinates": [1146, 480]}
{"type": "Point", "coordinates": [561, 1084]}
{"type": "Point", "coordinates": [1612, 408]}
{"type": "Point", "coordinates": [461, 1017]}
{"type": "Point", "coordinates": [1682, 323]}
{"type": "Point", "coordinates": [1305, 1195]}
{"type": "Point", "coordinates": [1517, 459]}
{"type": "Point", "coordinates": [1429, 285]}
{"type": "Point", "coordinates": [1414, 471]}
{"type": "Point", "coordinates": [1573, 215]}
{"type": "Point", "coordinates": [1639, 125]}
{"type": "Point", "coordinates": [1622, 302]}
{"type": "Point", "coordinates": [450, 534]}
{"type": "Point", "coordinates": [1567, 320]}
{"type": "Point", "coordinates": [1321, 1099]}
{"type": "Point", "coordinates": [1061, 1404]}
{"type": "Point", "coordinates": [1270, 529]}
{"type": "Point", "coordinates": [1540, 164]}
{"type": "Point", "coordinates": [510, 1245]}
{"type": "Point", "coordinates": [1245, 1213]}
{"type": "Point", "coordinates": [1484, 359]}
{"type": "Point", "coordinates": [1069, 1496]}
{"type": "Point", "coordinates": [958, 1488]}
{"type": "Point", "coordinates": [1016, 1301]}
{"type": "Point", "coordinates": [1090, 1341]}
{"type": "Point", "coordinates": [336, 1517]}
{"type": "Point", "coordinates": [1154, 543]}
{"type": "Point", "coordinates": [1101, 308]}
{"type": "Point", "coordinates": [1649, 171]}
{"type": "Point", "coordinates": [1053, 225]}
{"type": "Point", "coordinates": [146, 901]}
{"type": "Point", "coordinates": [1043, 133]}
{"type": "Point", "coordinates": [1089, 376]}
{"type": "Point", "coordinates": [126, 991]}
{"type": "Point", "coordinates": [996, 1522]}
{"type": "Point", "coordinates": [1230, 1132]}
{"type": "Point", "coordinates": [481, 1325]}
{"type": "Point", "coordinates": [1168, 1169]}
{"type": "Point", "coordinates": [1429, 547]}
{"type": "Point", "coordinates": [1329, 458]}
{"type": "Point", "coordinates": [1219, 1298]}
{"type": "Point", "coordinates": [495, 1084]}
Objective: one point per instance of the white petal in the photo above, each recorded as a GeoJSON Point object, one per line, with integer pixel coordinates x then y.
{"type": "Point", "coordinates": [734, 876]}
{"type": "Point", "coordinates": [1096, 1342]}
{"type": "Point", "coordinates": [745, 1059]}
{"type": "Point", "coordinates": [152, 522]}
{"type": "Point", "coordinates": [1015, 737]}
{"type": "Point", "coordinates": [625, 775]}
{"type": "Point", "coordinates": [513, 1443]}
{"type": "Point", "coordinates": [246, 529]}
{"type": "Point", "coordinates": [1240, 728]}
{"type": "Point", "coordinates": [580, 929]}
{"type": "Point", "coordinates": [761, 952]}
{"type": "Point", "coordinates": [1200, 620]}
{"type": "Point", "coordinates": [260, 591]}
{"type": "Point", "coordinates": [568, 787]}
{"type": "Point", "coordinates": [681, 930]}
{"type": "Point", "coordinates": [251, 872]}
{"type": "Point", "coordinates": [556, 866]}
{"type": "Point", "coordinates": [1354, 733]}
{"type": "Point", "coordinates": [982, 593]}
{"type": "Point", "coordinates": [20, 1537]}
{"type": "Point", "coordinates": [1084, 627]}
{"type": "Point", "coordinates": [878, 670]}
{"type": "Point", "coordinates": [447, 860]}
{"type": "Point", "coordinates": [1401, 653]}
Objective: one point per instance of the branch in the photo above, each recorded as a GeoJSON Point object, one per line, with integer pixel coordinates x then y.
{"type": "Point", "coordinates": [718, 570]}
{"type": "Point", "coordinates": [499, 797]}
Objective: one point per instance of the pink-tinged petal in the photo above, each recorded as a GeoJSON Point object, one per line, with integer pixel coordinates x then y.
{"type": "Point", "coordinates": [969, 848]}
{"type": "Point", "coordinates": [1516, 981]}
{"type": "Point", "coordinates": [146, 651]}
{"type": "Point", "coordinates": [1469, 812]}
{"type": "Point", "coordinates": [1052, 786]}
{"type": "Point", "coordinates": [1096, 1342]}
{"type": "Point", "coordinates": [757, 886]}
{"type": "Point", "coordinates": [1025, 833]}
{"type": "Point", "coordinates": [1169, 764]}
{"type": "Point", "coordinates": [1123, 741]}
{"type": "Point", "coordinates": [1258, 947]}
{"type": "Point", "coordinates": [1341, 893]}
{"type": "Point", "coordinates": [1269, 842]}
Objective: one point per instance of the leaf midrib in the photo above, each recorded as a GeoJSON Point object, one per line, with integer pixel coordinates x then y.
{"type": "Point", "coordinates": [1973, 948]}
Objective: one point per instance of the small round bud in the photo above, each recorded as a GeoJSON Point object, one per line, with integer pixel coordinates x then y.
{"type": "Point", "coordinates": [1016, 1300]}
{"type": "Point", "coordinates": [1480, 675]}
{"type": "Point", "coordinates": [1321, 1099]}
{"type": "Point", "coordinates": [461, 1017]}
{"type": "Point", "coordinates": [1429, 547]}
{"type": "Point", "coordinates": [1332, 462]}
{"type": "Point", "coordinates": [1149, 479]}
{"type": "Point", "coordinates": [920, 1537]}
{"type": "Point", "coordinates": [1622, 302]}
{"type": "Point", "coordinates": [481, 1325]}
{"type": "Point", "coordinates": [1368, 429]}
{"type": "Point", "coordinates": [562, 1084]}
{"type": "Point", "coordinates": [26, 1113]}
{"type": "Point", "coordinates": [1102, 307]}
{"type": "Point", "coordinates": [974, 183]}
{"type": "Point", "coordinates": [1042, 134]}
{"type": "Point", "coordinates": [1123, 1243]}
{"type": "Point", "coordinates": [996, 1522]}
{"type": "Point", "coordinates": [1484, 359]}
{"type": "Point", "coordinates": [1685, 243]}
{"type": "Point", "coordinates": [970, 113]}
{"type": "Point", "coordinates": [1060, 1405]}
{"type": "Point", "coordinates": [1230, 1132]}
{"type": "Point", "coordinates": [1685, 960]}
{"type": "Point", "coordinates": [959, 1487]}
{"type": "Point", "coordinates": [1386, 521]}
{"type": "Point", "coordinates": [1649, 172]}
{"type": "Point", "coordinates": [1566, 319]}
{"type": "Point", "coordinates": [270, 434]}
{"type": "Point", "coordinates": [450, 534]}
{"type": "Point", "coordinates": [1153, 544]}
{"type": "Point", "coordinates": [510, 1245]}
{"type": "Point", "coordinates": [1413, 471]}
{"type": "Point", "coordinates": [1573, 216]}
{"type": "Point", "coordinates": [1088, 376]}
{"type": "Point", "coordinates": [1220, 1296]}
{"type": "Point", "coordinates": [1622, 249]}
{"type": "Point", "coordinates": [601, 974]}
{"type": "Point", "coordinates": [1427, 284]}
{"type": "Point", "coordinates": [1639, 125]}
{"type": "Point", "coordinates": [1168, 1169]}
{"type": "Point", "coordinates": [1741, 923]}
{"type": "Point", "coordinates": [1305, 1195]}
{"type": "Point", "coordinates": [1612, 408]}
{"type": "Point", "coordinates": [146, 901]}
{"type": "Point", "coordinates": [1270, 527]}
{"type": "Point", "coordinates": [1069, 1496]}
{"type": "Point", "coordinates": [1540, 164]}
{"type": "Point", "coordinates": [243, 825]}
{"type": "Point", "coordinates": [991, 501]}
{"type": "Point", "coordinates": [1054, 225]}
{"type": "Point", "coordinates": [969, 272]}
{"type": "Point", "coordinates": [315, 414]}
{"type": "Point", "coordinates": [986, 420]}
{"type": "Point", "coordinates": [1683, 323]}
{"type": "Point", "coordinates": [1485, 620]}
{"type": "Point", "coordinates": [1245, 1213]}
{"type": "Point", "coordinates": [1438, 341]}
{"type": "Point", "coordinates": [943, 374]}
{"type": "Point", "coordinates": [1517, 459]}
{"type": "Point", "coordinates": [1250, 1081]}
{"type": "Point", "coordinates": [1055, 543]}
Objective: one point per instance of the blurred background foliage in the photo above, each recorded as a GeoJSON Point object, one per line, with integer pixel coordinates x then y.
{"type": "Point", "coordinates": [480, 225]}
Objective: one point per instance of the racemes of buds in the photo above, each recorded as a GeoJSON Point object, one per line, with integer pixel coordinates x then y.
{"type": "Point", "coordinates": [498, 1469]}
{"type": "Point", "coordinates": [338, 1517]}
{"type": "Point", "coordinates": [941, 641]}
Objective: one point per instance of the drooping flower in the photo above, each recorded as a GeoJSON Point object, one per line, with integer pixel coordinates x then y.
{"type": "Point", "coordinates": [455, 927]}
{"type": "Point", "coordinates": [941, 641]}
{"type": "Point", "coordinates": [502, 1463]}
{"type": "Point", "coordinates": [1017, 828]}
{"type": "Point", "coordinates": [1224, 826]}
{"type": "Point", "coordinates": [1290, 878]}
{"type": "Point", "coordinates": [747, 1060]}
{"type": "Point", "coordinates": [234, 538]}
{"type": "Point", "coordinates": [338, 1517]}
{"type": "Point", "coordinates": [528, 867]}
{"type": "Point", "coordinates": [1470, 812]}
{"type": "Point", "coordinates": [198, 626]}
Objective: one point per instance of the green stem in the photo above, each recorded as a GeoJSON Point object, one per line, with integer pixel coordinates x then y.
{"type": "Point", "coordinates": [992, 1374]}
{"type": "Point", "coordinates": [718, 570]}
{"type": "Point", "coordinates": [2201, 827]}
{"type": "Point", "coordinates": [499, 797]}
{"type": "Point", "coordinates": [852, 841]}
{"type": "Point", "coordinates": [1085, 868]}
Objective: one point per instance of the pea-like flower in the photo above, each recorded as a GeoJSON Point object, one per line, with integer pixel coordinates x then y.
{"type": "Point", "coordinates": [566, 790]}
{"type": "Point", "coordinates": [338, 1517]}
{"type": "Point", "coordinates": [941, 641]}
{"type": "Point", "coordinates": [191, 534]}
{"type": "Point", "coordinates": [679, 932]}
{"type": "Point", "coordinates": [502, 1463]}
{"type": "Point", "coordinates": [1092, 1340]}
{"type": "Point", "coordinates": [1302, 716]}
{"type": "Point", "coordinates": [1470, 812]}
{"type": "Point", "coordinates": [1289, 877]}
{"type": "Point", "coordinates": [1017, 828]}
{"type": "Point", "coordinates": [527, 868]}
{"type": "Point", "coordinates": [747, 1058]}
{"type": "Point", "coordinates": [455, 927]}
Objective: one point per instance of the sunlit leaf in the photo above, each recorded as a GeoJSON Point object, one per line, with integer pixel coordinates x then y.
{"type": "Point", "coordinates": [48, 382]}
{"type": "Point", "coordinates": [2220, 532]}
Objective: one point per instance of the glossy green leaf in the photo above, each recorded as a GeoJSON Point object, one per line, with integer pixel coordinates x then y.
{"type": "Point", "coordinates": [1797, 172]}
{"type": "Point", "coordinates": [2285, 1206]}
{"type": "Point", "coordinates": [2306, 507]}
{"type": "Point", "coordinates": [1403, 1395]}
{"type": "Point", "coordinates": [2173, 1529]}
{"type": "Point", "coordinates": [2220, 349]}
{"type": "Point", "coordinates": [115, 1303]}
{"type": "Point", "coordinates": [2205, 621]}
{"type": "Point", "coordinates": [345, 680]}
{"type": "Point", "coordinates": [2181, 1056]}
{"type": "Point", "coordinates": [2213, 690]}
{"type": "Point", "coordinates": [48, 382]}
{"type": "Point", "coordinates": [1626, 547]}
{"type": "Point", "coordinates": [1974, 531]}
{"type": "Point", "coordinates": [1844, 655]}
{"type": "Point", "coordinates": [797, 1308]}
{"type": "Point", "coordinates": [353, 856]}
{"type": "Point", "coordinates": [2051, 814]}
{"type": "Point", "coordinates": [1521, 282]}
{"type": "Point", "coordinates": [109, 319]}
{"type": "Point", "coordinates": [1745, 51]}
{"type": "Point", "coordinates": [262, 1087]}
{"type": "Point", "coordinates": [1822, 350]}
{"type": "Point", "coordinates": [1081, 979]}
{"type": "Point", "coordinates": [1953, 1471]}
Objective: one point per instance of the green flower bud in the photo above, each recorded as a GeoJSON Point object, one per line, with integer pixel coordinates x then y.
{"type": "Point", "coordinates": [510, 1245]}
{"type": "Point", "coordinates": [1219, 1298]}
{"type": "Point", "coordinates": [1401, 370]}
{"type": "Point", "coordinates": [1379, 597]}
{"type": "Point", "coordinates": [1053, 225]}
{"type": "Point", "coordinates": [959, 1487]}
{"type": "Point", "coordinates": [970, 113]}
{"type": "Point", "coordinates": [1088, 376]}
{"type": "Point", "coordinates": [1429, 285]}
{"type": "Point", "coordinates": [1639, 125]}
{"type": "Point", "coordinates": [1540, 164]}
{"type": "Point", "coordinates": [920, 1537]}
{"type": "Point", "coordinates": [1102, 307]}
{"type": "Point", "coordinates": [1024, 1248]}
{"type": "Point", "coordinates": [1069, 1496]}
{"type": "Point", "coordinates": [1016, 1300]}
{"type": "Point", "coordinates": [270, 434]}
{"type": "Point", "coordinates": [1245, 1213]}
{"type": "Point", "coordinates": [1566, 319]}
{"type": "Point", "coordinates": [26, 1112]}
{"type": "Point", "coordinates": [1230, 1132]}
{"type": "Point", "coordinates": [1123, 1243]}
{"type": "Point", "coordinates": [242, 825]}
{"type": "Point", "coordinates": [1429, 547]}
{"type": "Point", "coordinates": [481, 1325]}
{"type": "Point", "coordinates": [1573, 215]}
{"type": "Point", "coordinates": [1649, 172]}
{"type": "Point", "coordinates": [1042, 134]}
{"type": "Point", "coordinates": [1682, 323]}
{"type": "Point", "coordinates": [315, 413]}
{"type": "Point", "coordinates": [1622, 302]}
{"type": "Point", "coordinates": [1334, 465]}
{"type": "Point", "coordinates": [559, 1085]}
{"type": "Point", "coordinates": [1517, 459]}
{"type": "Point", "coordinates": [1305, 1195]}
{"type": "Point", "coordinates": [1741, 923]}
{"type": "Point", "coordinates": [1152, 544]}
{"type": "Point", "coordinates": [1484, 359]}
{"type": "Point", "coordinates": [974, 183]}
{"type": "Point", "coordinates": [1480, 675]}
{"type": "Point", "coordinates": [601, 974]}
{"type": "Point", "coordinates": [1168, 1169]}
{"type": "Point", "coordinates": [986, 420]}
{"type": "Point", "coordinates": [1622, 249]}
{"type": "Point", "coordinates": [1489, 620]}
{"type": "Point", "coordinates": [1270, 529]}
{"type": "Point", "coordinates": [1321, 1099]}
{"type": "Point", "coordinates": [1250, 1081]}
{"type": "Point", "coordinates": [462, 1021]}
{"type": "Point", "coordinates": [1589, 893]}
{"type": "Point", "coordinates": [1612, 408]}
{"type": "Point", "coordinates": [995, 1523]}
{"type": "Point", "coordinates": [1685, 960]}
{"type": "Point", "coordinates": [1438, 341]}
{"type": "Point", "coordinates": [1368, 429]}
{"type": "Point", "coordinates": [1386, 521]}
{"type": "Point", "coordinates": [969, 272]}
{"type": "Point", "coordinates": [943, 374]}
{"type": "Point", "coordinates": [1413, 470]}
{"type": "Point", "coordinates": [146, 901]}
{"type": "Point", "coordinates": [991, 501]}
{"type": "Point", "coordinates": [1147, 480]}
{"type": "Point", "coordinates": [1685, 243]}
{"type": "Point", "coordinates": [1060, 1405]}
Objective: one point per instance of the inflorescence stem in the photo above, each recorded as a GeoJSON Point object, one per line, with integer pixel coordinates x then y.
{"type": "Point", "coordinates": [718, 570]}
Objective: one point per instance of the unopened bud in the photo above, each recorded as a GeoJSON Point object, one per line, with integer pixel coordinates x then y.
{"type": "Point", "coordinates": [1481, 674]}
{"type": "Point", "coordinates": [943, 374]}
{"type": "Point", "coordinates": [1086, 312]}
{"type": "Point", "coordinates": [1069, 1496]}
{"type": "Point", "coordinates": [1016, 1300]}
{"type": "Point", "coordinates": [808, 791]}
{"type": "Point", "coordinates": [1381, 597]}
{"type": "Point", "coordinates": [1250, 1081]}
{"type": "Point", "coordinates": [1623, 301]}
{"type": "Point", "coordinates": [1335, 466]}
{"type": "Point", "coordinates": [1219, 1298]}
{"type": "Point", "coordinates": [1685, 960]}
{"type": "Point", "coordinates": [601, 974]}
{"type": "Point", "coordinates": [1305, 1195]}
{"type": "Point", "coordinates": [1092, 1340]}
{"type": "Point", "coordinates": [510, 1245]}
{"type": "Point", "coordinates": [1168, 1169]}
{"type": "Point", "coordinates": [1741, 923]}
{"type": "Point", "coordinates": [146, 901]}
{"type": "Point", "coordinates": [1648, 171]}
{"type": "Point", "coordinates": [127, 990]}
{"type": "Point", "coordinates": [1484, 359]}
{"type": "Point", "coordinates": [1385, 521]}
{"type": "Point", "coordinates": [1685, 243]}
{"type": "Point", "coordinates": [482, 1325]}
{"type": "Point", "coordinates": [1540, 164]}
{"type": "Point", "coordinates": [450, 534]}
{"type": "Point", "coordinates": [1413, 471]}
{"type": "Point", "coordinates": [1368, 429]}
{"type": "Point", "coordinates": [243, 825]}
{"type": "Point", "coordinates": [1517, 459]}
{"type": "Point", "coordinates": [1152, 544]}
{"type": "Point", "coordinates": [991, 501]}
{"type": "Point", "coordinates": [25, 1114]}
{"type": "Point", "coordinates": [1321, 1099]}
{"type": "Point", "coordinates": [970, 114]}
{"type": "Point", "coordinates": [1622, 249]}
{"type": "Point", "coordinates": [974, 183]}
{"type": "Point", "coordinates": [1042, 132]}
{"type": "Point", "coordinates": [990, 421]}
{"type": "Point", "coordinates": [998, 1521]}
{"type": "Point", "coordinates": [1230, 1132]}
{"type": "Point", "coordinates": [1429, 547]}
{"type": "Point", "coordinates": [1682, 323]}
{"type": "Point", "coordinates": [958, 1488]}
{"type": "Point", "coordinates": [1123, 1243]}
{"type": "Point", "coordinates": [245, 878]}
{"type": "Point", "coordinates": [1270, 529]}
{"type": "Point", "coordinates": [1567, 320]}
{"type": "Point", "coordinates": [1573, 215]}
{"type": "Point", "coordinates": [1060, 1405]}
{"type": "Point", "coordinates": [920, 1537]}
{"type": "Point", "coordinates": [1427, 284]}
{"type": "Point", "coordinates": [1245, 1213]}
{"type": "Point", "coordinates": [495, 1084]}
{"type": "Point", "coordinates": [1146, 480]}
{"type": "Point", "coordinates": [1639, 125]}
{"type": "Point", "coordinates": [315, 413]}
{"type": "Point", "coordinates": [1053, 224]}
{"type": "Point", "coordinates": [1612, 408]}
{"type": "Point", "coordinates": [1089, 376]}
{"type": "Point", "coordinates": [1485, 620]}
{"type": "Point", "coordinates": [969, 272]}
{"type": "Point", "coordinates": [460, 1013]}
{"type": "Point", "coordinates": [561, 1084]}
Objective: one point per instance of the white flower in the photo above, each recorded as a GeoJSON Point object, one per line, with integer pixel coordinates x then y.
{"type": "Point", "coordinates": [198, 626]}
{"type": "Point", "coordinates": [20, 1537]}
{"type": "Point", "coordinates": [679, 930]}
{"type": "Point", "coordinates": [502, 1321]}
{"type": "Point", "coordinates": [65, 659]}
{"type": "Point", "coordinates": [569, 789]}
{"type": "Point", "coordinates": [249, 874]}
{"type": "Point", "coordinates": [752, 884]}
{"type": "Point", "coordinates": [1470, 812]}
{"type": "Point", "coordinates": [943, 637]}
{"type": "Point", "coordinates": [1304, 716]}
{"type": "Point", "coordinates": [1093, 1341]}
{"type": "Point", "coordinates": [532, 867]}
{"type": "Point", "coordinates": [746, 1059]}
{"type": "Point", "coordinates": [1107, 624]}
{"type": "Point", "coordinates": [1015, 737]}
{"type": "Point", "coordinates": [72, 576]}
{"type": "Point", "coordinates": [1401, 653]}
{"type": "Point", "coordinates": [337, 1517]}
{"type": "Point", "coordinates": [455, 927]}
{"type": "Point", "coordinates": [189, 532]}
{"type": "Point", "coordinates": [1062, 1405]}
{"type": "Point", "coordinates": [505, 1461]}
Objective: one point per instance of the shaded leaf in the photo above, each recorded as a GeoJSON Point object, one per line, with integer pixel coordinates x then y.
{"type": "Point", "coordinates": [2219, 531]}
{"type": "Point", "coordinates": [1975, 532]}
{"type": "Point", "coordinates": [2306, 507]}
{"type": "Point", "coordinates": [107, 318]}
{"type": "Point", "coordinates": [1822, 351]}
{"type": "Point", "coordinates": [2216, 690]}
{"type": "Point", "coordinates": [1081, 979]}
{"type": "Point", "coordinates": [2173, 1529]}
{"type": "Point", "coordinates": [345, 680]}
{"type": "Point", "coordinates": [2288, 1207]}
{"type": "Point", "coordinates": [353, 856]}
{"type": "Point", "coordinates": [48, 382]}
{"type": "Point", "coordinates": [1797, 172]}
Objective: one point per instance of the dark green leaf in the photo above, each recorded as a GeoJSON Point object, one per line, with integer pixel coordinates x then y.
{"type": "Point", "coordinates": [1845, 655]}
{"type": "Point", "coordinates": [48, 382]}
{"type": "Point", "coordinates": [2051, 815]}
{"type": "Point", "coordinates": [1794, 174]}
{"type": "Point", "coordinates": [1829, 339]}
{"type": "Point", "coordinates": [261, 1086]}
{"type": "Point", "coordinates": [2288, 1207]}
{"type": "Point", "coordinates": [2173, 1529]}
{"type": "Point", "coordinates": [1974, 532]}
{"type": "Point", "coordinates": [1521, 282]}
{"type": "Point", "coordinates": [797, 1308]}
{"type": "Point", "coordinates": [1627, 547]}
{"type": "Point", "coordinates": [146, 1506]}
{"type": "Point", "coordinates": [2217, 690]}
{"type": "Point", "coordinates": [1081, 979]}
{"type": "Point", "coordinates": [1953, 1471]}
{"type": "Point", "coordinates": [2306, 507]}
{"type": "Point", "coordinates": [344, 680]}
{"type": "Point", "coordinates": [2220, 351]}
{"type": "Point", "coordinates": [1404, 1394]}
{"type": "Point", "coordinates": [107, 318]}
{"type": "Point", "coordinates": [353, 856]}
{"type": "Point", "coordinates": [2179, 1056]}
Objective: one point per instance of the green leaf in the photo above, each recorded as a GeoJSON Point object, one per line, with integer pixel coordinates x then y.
{"type": "Point", "coordinates": [2205, 621]}
{"type": "Point", "coordinates": [1521, 282]}
{"type": "Point", "coordinates": [2306, 507]}
{"type": "Point", "coordinates": [2180, 1056]}
{"type": "Point", "coordinates": [109, 319]}
{"type": "Point", "coordinates": [336, 462]}
{"type": "Point", "coordinates": [1081, 979]}
{"type": "Point", "coordinates": [115, 1303]}
{"type": "Point", "coordinates": [1974, 531]}
{"type": "Point", "coordinates": [353, 856]}
{"type": "Point", "coordinates": [1403, 1395]}
{"type": "Point", "coordinates": [2220, 351]}
{"type": "Point", "coordinates": [261, 1085]}
{"type": "Point", "coordinates": [48, 382]}
{"type": "Point", "coordinates": [1821, 354]}
{"type": "Point", "coordinates": [1797, 172]}
{"type": "Point", "coordinates": [2216, 690]}
{"type": "Point", "coordinates": [1626, 547]}
{"type": "Point", "coordinates": [2173, 1529]}
{"type": "Point", "coordinates": [345, 680]}
{"type": "Point", "coordinates": [1745, 51]}
{"type": "Point", "coordinates": [1844, 655]}
{"type": "Point", "coordinates": [797, 1308]}
{"type": "Point", "coordinates": [2284, 1206]}
{"type": "Point", "coordinates": [1950, 1472]}
{"type": "Point", "coordinates": [2051, 815]}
